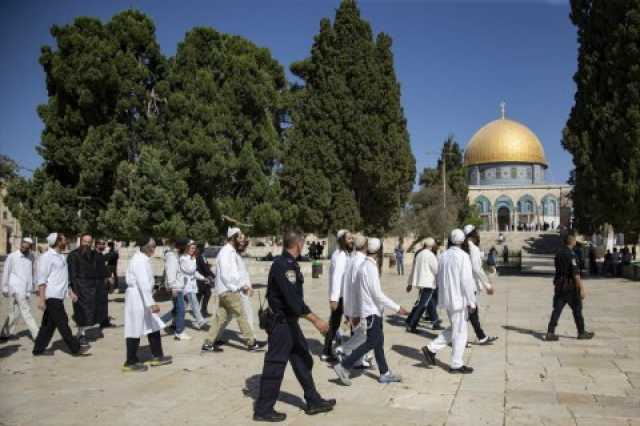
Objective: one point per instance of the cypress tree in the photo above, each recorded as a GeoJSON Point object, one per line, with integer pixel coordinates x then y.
{"type": "Point", "coordinates": [603, 130]}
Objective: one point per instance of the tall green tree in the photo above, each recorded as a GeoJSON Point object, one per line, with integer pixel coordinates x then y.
{"type": "Point", "coordinates": [223, 124]}
{"type": "Point", "coordinates": [603, 130]}
{"type": "Point", "coordinates": [349, 141]}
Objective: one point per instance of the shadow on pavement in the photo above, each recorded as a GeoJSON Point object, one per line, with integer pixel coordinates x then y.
{"type": "Point", "coordinates": [7, 351]}
{"type": "Point", "coordinates": [537, 334]}
{"type": "Point", "coordinates": [252, 388]}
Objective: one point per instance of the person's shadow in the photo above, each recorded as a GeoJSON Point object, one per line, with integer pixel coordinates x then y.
{"type": "Point", "coordinates": [7, 351]}
{"type": "Point", "coordinates": [252, 388]}
{"type": "Point", "coordinates": [416, 354]}
{"type": "Point", "coordinates": [537, 334]}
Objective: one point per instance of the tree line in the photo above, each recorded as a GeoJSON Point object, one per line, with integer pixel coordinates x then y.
{"type": "Point", "coordinates": [135, 142]}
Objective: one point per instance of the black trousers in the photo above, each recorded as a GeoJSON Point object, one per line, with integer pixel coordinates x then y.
{"type": "Point", "coordinates": [561, 298]}
{"type": "Point", "coordinates": [286, 344]}
{"type": "Point", "coordinates": [334, 325]}
{"type": "Point", "coordinates": [474, 318]}
{"type": "Point", "coordinates": [375, 341]}
{"type": "Point", "coordinates": [204, 294]}
{"type": "Point", "coordinates": [424, 303]}
{"type": "Point", "coordinates": [55, 317]}
{"type": "Point", "coordinates": [133, 344]}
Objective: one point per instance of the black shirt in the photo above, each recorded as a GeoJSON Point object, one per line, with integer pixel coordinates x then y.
{"type": "Point", "coordinates": [566, 269]}
{"type": "Point", "coordinates": [284, 288]}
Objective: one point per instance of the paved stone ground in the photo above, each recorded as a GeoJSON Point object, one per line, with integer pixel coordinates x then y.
{"type": "Point", "coordinates": [520, 380]}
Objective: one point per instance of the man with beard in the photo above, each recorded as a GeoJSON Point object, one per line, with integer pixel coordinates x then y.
{"type": "Point", "coordinates": [102, 290]}
{"type": "Point", "coordinates": [85, 275]}
{"type": "Point", "coordinates": [339, 261]}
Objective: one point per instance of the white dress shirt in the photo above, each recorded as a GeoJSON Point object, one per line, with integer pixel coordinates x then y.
{"type": "Point", "coordinates": [339, 260]}
{"type": "Point", "coordinates": [17, 274]}
{"type": "Point", "coordinates": [350, 299]}
{"type": "Point", "coordinates": [232, 274]}
{"type": "Point", "coordinates": [424, 270]}
{"type": "Point", "coordinates": [171, 270]}
{"type": "Point", "coordinates": [372, 299]}
{"type": "Point", "coordinates": [455, 280]}
{"type": "Point", "coordinates": [480, 277]}
{"type": "Point", "coordinates": [53, 272]}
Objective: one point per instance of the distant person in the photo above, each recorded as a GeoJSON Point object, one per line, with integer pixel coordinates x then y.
{"type": "Point", "coordinates": [399, 253]}
{"type": "Point", "coordinates": [633, 252]}
{"type": "Point", "coordinates": [505, 255]}
{"type": "Point", "coordinates": [608, 266]}
{"type": "Point", "coordinates": [102, 286]}
{"type": "Point", "coordinates": [492, 260]}
{"type": "Point", "coordinates": [204, 285]}
{"type": "Point", "coordinates": [111, 257]}
{"type": "Point", "coordinates": [569, 289]}
{"type": "Point", "coordinates": [188, 274]}
{"type": "Point", "coordinates": [593, 262]}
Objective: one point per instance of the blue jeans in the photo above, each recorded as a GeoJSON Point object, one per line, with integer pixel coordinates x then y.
{"type": "Point", "coordinates": [195, 308]}
{"type": "Point", "coordinates": [177, 313]}
{"type": "Point", "coordinates": [425, 302]}
{"type": "Point", "coordinates": [400, 265]}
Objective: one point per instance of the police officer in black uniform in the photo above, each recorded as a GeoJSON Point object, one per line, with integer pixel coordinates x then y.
{"type": "Point", "coordinates": [286, 340]}
{"type": "Point", "coordinates": [568, 290]}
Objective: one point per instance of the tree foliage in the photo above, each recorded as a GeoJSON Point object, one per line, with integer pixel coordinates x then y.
{"type": "Point", "coordinates": [348, 160]}
{"type": "Point", "coordinates": [603, 130]}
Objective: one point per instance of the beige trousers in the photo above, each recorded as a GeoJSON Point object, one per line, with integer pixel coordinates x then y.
{"type": "Point", "coordinates": [19, 307]}
{"type": "Point", "coordinates": [230, 306]}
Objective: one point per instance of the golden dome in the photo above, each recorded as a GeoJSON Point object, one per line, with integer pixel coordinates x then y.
{"type": "Point", "coordinates": [504, 141]}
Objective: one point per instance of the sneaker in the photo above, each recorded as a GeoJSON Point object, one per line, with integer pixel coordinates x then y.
{"type": "Point", "coordinates": [551, 337]}
{"type": "Point", "coordinates": [389, 377]}
{"type": "Point", "coordinates": [343, 374]}
{"type": "Point", "coordinates": [256, 346]}
{"type": "Point", "coordinates": [84, 342]}
{"type": "Point", "coordinates": [134, 368]}
{"type": "Point", "coordinates": [410, 329]}
{"type": "Point", "coordinates": [211, 347]}
{"type": "Point", "coordinates": [587, 335]}
{"type": "Point", "coordinates": [158, 361]}
{"type": "Point", "coordinates": [362, 364]}
{"type": "Point", "coordinates": [272, 417]}
{"type": "Point", "coordinates": [429, 356]}
{"type": "Point", "coordinates": [182, 336]}
{"type": "Point", "coordinates": [488, 340]}
{"type": "Point", "coordinates": [83, 351]}
{"type": "Point", "coordinates": [462, 370]}
{"type": "Point", "coordinates": [437, 326]}
{"type": "Point", "coordinates": [322, 406]}
{"type": "Point", "coordinates": [46, 352]}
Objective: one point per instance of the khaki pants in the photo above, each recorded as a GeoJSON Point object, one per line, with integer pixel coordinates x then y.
{"type": "Point", "coordinates": [230, 305]}
{"type": "Point", "coordinates": [19, 306]}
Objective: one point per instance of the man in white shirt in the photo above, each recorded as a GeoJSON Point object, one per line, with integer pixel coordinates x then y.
{"type": "Point", "coordinates": [53, 287]}
{"type": "Point", "coordinates": [351, 300]}
{"type": "Point", "coordinates": [17, 285]}
{"type": "Point", "coordinates": [373, 302]}
{"type": "Point", "coordinates": [423, 276]}
{"type": "Point", "coordinates": [171, 267]}
{"type": "Point", "coordinates": [481, 280]}
{"type": "Point", "coordinates": [231, 279]}
{"type": "Point", "coordinates": [456, 295]}
{"type": "Point", "coordinates": [339, 261]}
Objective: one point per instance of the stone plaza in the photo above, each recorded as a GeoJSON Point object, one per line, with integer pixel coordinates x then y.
{"type": "Point", "coordinates": [520, 380]}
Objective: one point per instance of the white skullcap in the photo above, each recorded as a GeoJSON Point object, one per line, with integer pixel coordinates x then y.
{"type": "Point", "coordinates": [429, 242]}
{"type": "Point", "coordinates": [373, 245]}
{"type": "Point", "coordinates": [27, 240]}
{"type": "Point", "coordinates": [341, 233]}
{"type": "Point", "coordinates": [468, 229]}
{"type": "Point", "coordinates": [51, 238]}
{"type": "Point", "coordinates": [360, 241]}
{"type": "Point", "coordinates": [457, 236]}
{"type": "Point", "coordinates": [232, 231]}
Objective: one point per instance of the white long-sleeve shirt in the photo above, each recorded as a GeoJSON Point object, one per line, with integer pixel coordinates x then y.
{"type": "Point", "coordinates": [17, 274]}
{"type": "Point", "coordinates": [339, 260]}
{"type": "Point", "coordinates": [53, 272]}
{"type": "Point", "coordinates": [188, 273]}
{"type": "Point", "coordinates": [482, 281]}
{"type": "Point", "coordinates": [455, 280]}
{"type": "Point", "coordinates": [424, 270]}
{"type": "Point", "coordinates": [171, 270]}
{"type": "Point", "coordinates": [372, 299]}
{"type": "Point", "coordinates": [232, 273]}
{"type": "Point", "coordinates": [350, 297]}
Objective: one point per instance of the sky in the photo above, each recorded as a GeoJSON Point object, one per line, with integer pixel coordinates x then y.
{"type": "Point", "coordinates": [456, 60]}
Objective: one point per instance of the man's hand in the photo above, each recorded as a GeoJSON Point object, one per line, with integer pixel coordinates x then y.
{"type": "Point", "coordinates": [471, 308]}
{"type": "Point", "coordinates": [409, 288]}
{"type": "Point", "coordinates": [41, 304]}
{"type": "Point", "coordinates": [583, 293]}
{"type": "Point", "coordinates": [155, 309]}
{"type": "Point", "coordinates": [490, 291]}
{"type": "Point", "coordinates": [333, 305]}
{"type": "Point", "coordinates": [321, 325]}
{"type": "Point", "coordinates": [403, 311]}
{"type": "Point", "coordinates": [74, 297]}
